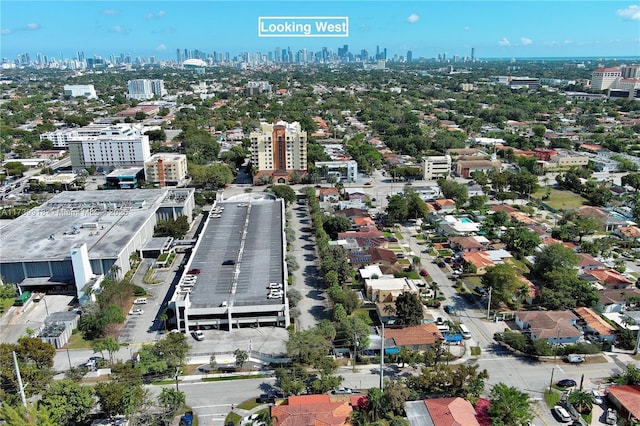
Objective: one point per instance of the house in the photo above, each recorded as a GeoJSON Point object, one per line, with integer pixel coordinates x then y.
{"type": "Point", "coordinates": [480, 260]}
{"type": "Point", "coordinates": [607, 221]}
{"type": "Point", "coordinates": [372, 237]}
{"type": "Point", "coordinates": [312, 410]}
{"type": "Point", "coordinates": [381, 256]}
{"type": "Point", "coordinates": [595, 325]}
{"type": "Point", "coordinates": [607, 278]}
{"type": "Point", "coordinates": [466, 244]}
{"type": "Point", "coordinates": [466, 168]}
{"type": "Point", "coordinates": [354, 194]}
{"type": "Point", "coordinates": [628, 233]}
{"type": "Point", "coordinates": [588, 263]}
{"type": "Point", "coordinates": [614, 300]}
{"type": "Point", "coordinates": [441, 412]}
{"type": "Point", "coordinates": [532, 290]}
{"type": "Point", "coordinates": [418, 337]}
{"type": "Point", "coordinates": [445, 205]}
{"type": "Point", "coordinates": [370, 271]}
{"type": "Point", "coordinates": [329, 195]}
{"type": "Point", "coordinates": [388, 289]}
{"type": "Point", "coordinates": [554, 326]}
{"type": "Point", "coordinates": [626, 398]}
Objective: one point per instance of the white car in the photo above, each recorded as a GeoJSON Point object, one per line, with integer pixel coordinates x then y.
{"type": "Point", "coordinates": [140, 301]}
{"type": "Point", "coordinates": [274, 296]}
{"type": "Point", "coordinates": [275, 286]}
{"type": "Point", "coordinates": [137, 311]}
{"type": "Point", "coordinates": [198, 335]}
{"type": "Point", "coordinates": [597, 398]}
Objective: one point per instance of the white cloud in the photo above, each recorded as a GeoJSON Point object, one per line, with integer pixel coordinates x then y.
{"type": "Point", "coordinates": [631, 13]}
{"type": "Point", "coordinates": [161, 48]}
{"type": "Point", "coordinates": [119, 29]}
{"type": "Point", "coordinates": [467, 28]}
{"type": "Point", "coordinates": [413, 18]}
{"type": "Point", "coordinates": [31, 27]}
{"type": "Point", "coordinates": [152, 15]}
{"type": "Point", "coordinates": [6, 31]}
{"type": "Point", "coordinates": [504, 42]}
{"type": "Point", "coordinates": [110, 12]}
{"type": "Point", "coordinates": [525, 41]}
{"type": "Point", "coordinates": [568, 42]}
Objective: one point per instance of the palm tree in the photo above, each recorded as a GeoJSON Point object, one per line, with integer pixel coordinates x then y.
{"type": "Point", "coordinates": [265, 418]}
{"type": "Point", "coordinates": [389, 309]}
{"type": "Point", "coordinates": [359, 418]}
{"type": "Point", "coordinates": [582, 400]}
{"type": "Point", "coordinates": [375, 404]}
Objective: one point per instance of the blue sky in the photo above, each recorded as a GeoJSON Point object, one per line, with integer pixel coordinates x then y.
{"type": "Point", "coordinates": [496, 29]}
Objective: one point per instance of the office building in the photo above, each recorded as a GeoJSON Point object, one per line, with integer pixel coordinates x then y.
{"type": "Point", "coordinates": [436, 166]}
{"type": "Point", "coordinates": [165, 169]}
{"type": "Point", "coordinates": [278, 150]}
{"type": "Point", "coordinates": [630, 71]}
{"type": "Point", "coordinates": [603, 78]}
{"type": "Point", "coordinates": [143, 89]}
{"type": "Point", "coordinates": [343, 171]}
{"type": "Point", "coordinates": [69, 242]}
{"type": "Point", "coordinates": [238, 271]}
{"type": "Point", "coordinates": [119, 145]}
{"type": "Point", "coordinates": [84, 90]}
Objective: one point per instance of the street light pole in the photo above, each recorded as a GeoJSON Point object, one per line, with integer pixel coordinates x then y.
{"type": "Point", "coordinates": [489, 303]}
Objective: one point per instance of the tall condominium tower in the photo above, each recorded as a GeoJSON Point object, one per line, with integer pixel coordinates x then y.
{"type": "Point", "coordinates": [278, 150]}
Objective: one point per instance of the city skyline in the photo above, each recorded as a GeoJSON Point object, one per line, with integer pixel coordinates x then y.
{"type": "Point", "coordinates": [495, 29]}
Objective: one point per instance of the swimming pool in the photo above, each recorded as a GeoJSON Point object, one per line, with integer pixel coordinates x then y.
{"type": "Point", "coordinates": [465, 220]}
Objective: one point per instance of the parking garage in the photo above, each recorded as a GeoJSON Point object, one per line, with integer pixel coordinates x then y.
{"type": "Point", "coordinates": [240, 254]}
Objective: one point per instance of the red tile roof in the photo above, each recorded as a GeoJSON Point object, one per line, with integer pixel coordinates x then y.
{"type": "Point", "coordinates": [451, 412]}
{"type": "Point", "coordinates": [609, 276]}
{"type": "Point", "coordinates": [629, 397]}
{"type": "Point", "coordinates": [423, 334]}
{"type": "Point", "coordinates": [312, 410]}
{"type": "Point", "coordinates": [594, 321]}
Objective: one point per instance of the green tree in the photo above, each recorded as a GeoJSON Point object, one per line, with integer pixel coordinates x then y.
{"type": "Point", "coordinates": [334, 224]}
{"type": "Point", "coordinates": [353, 331]}
{"type": "Point", "coordinates": [32, 415]}
{"type": "Point", "coordinates": [119, 398]}
{"type": "Point", "coordinates": [308, 346]}
{"type": "Point", "coordinates": [108, 344]}
{"type": "Point", "coordinates": [504, 282]}
{"type": "Point", "coordinates": [554, 257]}
{"type": "Point", "coordinates": [285, 192]}
{"type": "Point", "coordinates": [171, 399]}
{"type": "Point", "coordinates": [509, 406]}
{"type": "Point", "coordinates": [375, 403]}
{"type": "Point", "coordinates": [395, 396]}
{"type": "Point", "coordinates": [409, 309]}
{"type": "Point", "coordinates": [68, 401]}
{"type": "Point", "coordinates": [581, 400]}
{"type": "Point", "coordinates": [241, 357]}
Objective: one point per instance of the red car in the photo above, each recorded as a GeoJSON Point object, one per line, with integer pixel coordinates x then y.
{"type": "Point", "coordinates": [424, 272]}
{"type": "Point", "coordinates": [194, 271]}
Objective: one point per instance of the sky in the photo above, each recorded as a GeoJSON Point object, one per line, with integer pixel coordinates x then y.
{"type": "Point", "coordinates": [496, 29]}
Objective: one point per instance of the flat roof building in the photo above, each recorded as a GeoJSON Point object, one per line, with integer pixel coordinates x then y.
{"type": "Point", "coordinates": [436, 166]}
{"type": "Point", "coordinates": [166, 169]}
{"type": "Point", "coordinates": [36, 250]}
{"type": "Point", "coordinates": [239, 255]}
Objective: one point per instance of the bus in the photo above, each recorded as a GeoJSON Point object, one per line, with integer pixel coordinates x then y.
{"type": "Point", "coordinates": [466, 334]}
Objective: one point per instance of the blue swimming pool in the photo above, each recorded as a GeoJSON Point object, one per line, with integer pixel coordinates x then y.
{"type": "Point", "coordinates": [465, 220]}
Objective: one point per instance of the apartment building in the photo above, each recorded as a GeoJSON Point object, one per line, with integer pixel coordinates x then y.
{"type": "Point", "coordinates": [278, 150]}
{"type": "Point", "coordinates": [84, 90]}
{"type": "Point", "coordinates": [143, 89]}
{"type": "Point", "coordinates": [165, 169]}
{"type": "Point", "coordinates": [343, 171]}
{"type": "Point", "coordinates": [117, 146]}
{"type": "Point", "coordinates": [61, 137]}
{"type": "Point", "coordinates": [436, 166]}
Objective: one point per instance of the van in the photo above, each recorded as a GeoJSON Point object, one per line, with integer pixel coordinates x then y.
{"type": "Point", "coordinates": [562, 414]}
{"type": "Point", "coordinates": [466, 334]}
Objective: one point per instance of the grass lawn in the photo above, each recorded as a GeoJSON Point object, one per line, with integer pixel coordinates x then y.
{"type": "Point", "coordinates": [78, 342]}
{"type": "Point", "coordinates": [474, 280]}
{"type": "Point", "coordinates": [560, 200]}
{"type": "Point", "coordinates": [368, 315]}
{"type": "Point", "coordinates": [249, 404]}
{"type": "Point", "coordinates": [551, 398]}
{"type": "Point", "coordinates": [233, 418]}
{"type": "Point", "coordinates": [6, 304]}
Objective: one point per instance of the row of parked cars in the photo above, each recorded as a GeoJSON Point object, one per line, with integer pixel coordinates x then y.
{"type": "Point", "coordinates": [610, 416]}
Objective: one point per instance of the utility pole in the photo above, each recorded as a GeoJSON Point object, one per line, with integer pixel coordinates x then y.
{"type": "Point", "coordinates": [382, 358]}
{"type": "Point", "coordinates": [635, 350]}
{"type": "Point", "coordinates": [23, 398]}
{"type": "Point", "coordinates": [355, 346]}
{"type": "Point", "coordinates": [489, 303]}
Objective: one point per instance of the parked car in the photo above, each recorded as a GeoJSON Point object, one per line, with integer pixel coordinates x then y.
{"type": "Point", "coordinates": [442, 264]}
{"type": "Point", "coordinates": [423, 272]}
{"type": "Point", "coordinates": [562, 414]}
{"type": "Point", "coordinates": [274, 296]}
{"type": "Point", "coordinates": [611, 416]}
{"type": "Point", "coordinates": [229, 262]}
{"type": "Point", "coordinates": [575, 358]}
{"type": "Point", "coordinates": [450, 309]}
{"type": "Point", "coordinates": [566, 383]}
{"type": "Point", "coordinates": [343, 391]}
{"type": "Point", "coordinates": [198, 335]}
{"type": "Point", "coordinates": [194, 271]}
{"type": "Point", "coordinates": [597, 398]}
{"type": "Point", "coordinates": [137, 311]}
{"type": "Point", "coordinates": [140, 301]}
{"type": "Point", "coordinates": [275, 286]}
{"type": "Point", "coordinates": [439, 321]}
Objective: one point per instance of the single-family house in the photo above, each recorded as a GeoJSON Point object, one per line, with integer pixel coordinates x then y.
{"type": "Point", "coordinates": [595, 325]}
{"type": "Point", "coordinates": [382, 256]}
{"type": "Point", "coordinates": [418, 337]}
{"type": "Point", "coordinates": [615, 300]}
{"type": "Point", "coordinates": [466, 244]}
{"type": "Point", "coordinates": [388, 289]}
{"type": "Point", "coordinates": [626, 398]}
{"type": "Point", "coordinates": [445, 205]}
{"type": "Point", "coordinates": [628, 233]}
{"type": "Point", "coordinates": [554, 326]}
{"type": "Point", "coordinates": [588, 263]}
{"type": "Point", "coordinates": [312, 410]}
{"type": "Point", "coordinates": [607, 278]}
{"type": "Point", "coordinates": [441, 412]}
{"type": "Point", "coordinates": [354, 194]}
{"type": "Point", "coordinates": [330, 195]}
{"type": "Point", "coordinates": [480, 260]}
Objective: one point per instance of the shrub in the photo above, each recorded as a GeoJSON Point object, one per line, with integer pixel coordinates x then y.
{"type": "Point", "coordinates": [139, 291]}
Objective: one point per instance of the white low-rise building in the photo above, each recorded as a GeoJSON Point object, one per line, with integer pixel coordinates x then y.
{"type": "Point", "coordinates": [436, 166]}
